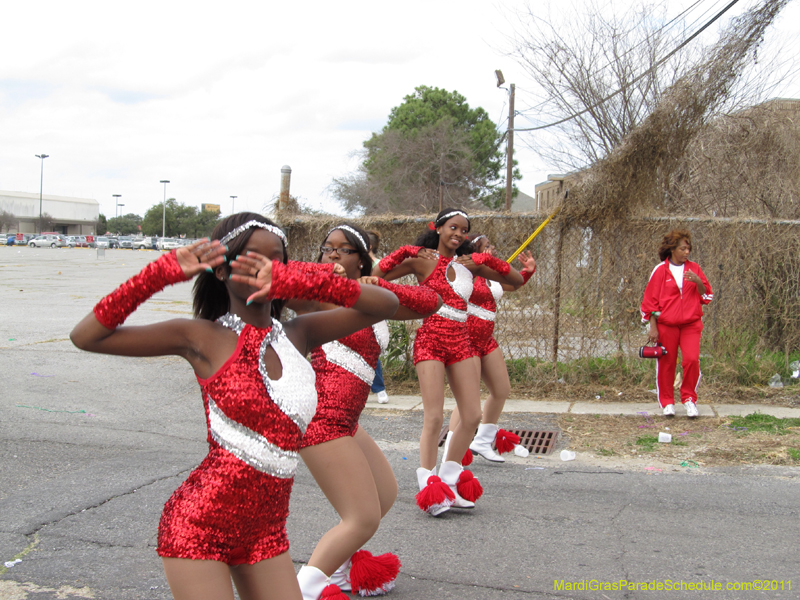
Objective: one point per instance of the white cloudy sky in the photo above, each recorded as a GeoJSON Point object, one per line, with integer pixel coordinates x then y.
{"type": "Point", "coordinates": [216, 97]}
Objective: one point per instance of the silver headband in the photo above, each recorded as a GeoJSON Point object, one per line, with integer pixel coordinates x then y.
{"type": "Point", "coordinates": [479, 237]}
{"type": "Point", "coordinates": [444, 218]}
{"type": "Point", "coordinates": [354, 232]}
{"type": "Point", "coordinates": [242, 228]}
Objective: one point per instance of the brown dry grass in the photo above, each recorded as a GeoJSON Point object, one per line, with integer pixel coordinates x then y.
{"type": "Point", "coordinates": [707, 441]}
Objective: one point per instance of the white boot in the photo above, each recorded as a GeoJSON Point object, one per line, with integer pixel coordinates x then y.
{"type": "Point", "coordinates": [312, 581]}
{"type": "Point", "coordinates": [422, 480]}
{"type": "Point", "coordinates": [341, 577]}
{"type": "Point", "coordinates": [482, 443]}
{"type": "Point", "coordinates": [446, 444]}
{"type": "Point", "coordinates": [449, 472]}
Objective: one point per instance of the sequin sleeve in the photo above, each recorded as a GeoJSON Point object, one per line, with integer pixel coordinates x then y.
{"type": "Point", "coordinates": [526, 275]}
{"type": "Point", "coordinates": [112, 310]}
{"type": "Point", "coordinates": [309, 267]}
{"type": "Point", "coordinates": [494, 263]}
{"type": "Point", "coordinates": [291, 283]}
{"type": "Point", "coordinates": [420, 299]}
{"type": "Point", "coordinates": [390, 261]}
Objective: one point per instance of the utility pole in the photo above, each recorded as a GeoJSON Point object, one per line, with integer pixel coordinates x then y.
{"type": "Point", "coordinates": [510, 148]}
{"type": "Point", "coordinates": [164, 212]}
{"type": "Point", "coordinates": [41, 157]}
{"type": "Point", "coordinates": [233, 201]}
{"type": "Point", "coordinates": [286, 179]}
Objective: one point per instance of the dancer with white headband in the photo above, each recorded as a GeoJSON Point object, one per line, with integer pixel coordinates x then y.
{"type": "Point", "coordinates": [490, 441]}
{"type": "Point", "coordinates": [345, 461]}
{"type": "Point", "coordinates": [228, 519]}
{"type": "Point", "coordinates": [442, 348]}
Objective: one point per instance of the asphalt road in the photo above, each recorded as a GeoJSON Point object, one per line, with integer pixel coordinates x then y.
{"type": "Point", "coordinates": [92, 446]}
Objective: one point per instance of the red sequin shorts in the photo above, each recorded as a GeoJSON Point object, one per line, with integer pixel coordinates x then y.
{"type": "Point", "coordinates": [481, 335]}
{"type": "Point", "coordinates": [443, 340]}
{"type": "Point", "coordinates": [338, 409]}
{"type": "Point", "coordinates": [226, 511]}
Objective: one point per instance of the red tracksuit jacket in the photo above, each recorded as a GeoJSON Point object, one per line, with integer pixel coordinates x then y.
{"type": "Point", "coordinates": [662, 294]}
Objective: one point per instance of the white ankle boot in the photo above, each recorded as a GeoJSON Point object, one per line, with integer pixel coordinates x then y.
{"type": "Point", "coordinates": [341, 577]}
{"type": "Point", "coordinates": [312, 582]}
{"type": "Point", "coordinates": [450, 471]}
{"type": "Point", "coordinates": [432, 507]}
{"type": "Point", "coordinates": [482, 443]}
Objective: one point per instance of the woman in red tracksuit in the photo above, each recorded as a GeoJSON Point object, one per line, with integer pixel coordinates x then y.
{"type": "Point", "coordinates": [673, 305]}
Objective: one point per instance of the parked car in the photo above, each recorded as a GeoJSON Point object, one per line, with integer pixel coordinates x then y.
{"type": "Point", "coordinates": [70, 241]}
{"type": "Point", "coordinates": [43, 241]}
{"type": "Point", "coordinates": [113, 241]}
{"type": "Point", "coordinates": [125, 241]}
{"type": "Point", "coordinates": [168, 244]}
{"type": "Point", "coordinates": [145, 243]}
{"type": "Point", "coordinates": [101, 242]}
{"type": "Point", "coordinates": [11, 240]}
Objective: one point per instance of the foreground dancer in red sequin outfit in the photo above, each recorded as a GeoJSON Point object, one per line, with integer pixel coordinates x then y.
{"type": "Point", "coordinates": [442, 347]}
{"type": "Point", "coordinates": [227, 520]}
{"type": "Point", "coordinates": [345, 461]}
{"type": "Point", "coordinates": [481, 311]}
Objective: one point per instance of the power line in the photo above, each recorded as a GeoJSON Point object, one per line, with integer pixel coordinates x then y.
{"type": "Point", "coordinates": [640, 77]}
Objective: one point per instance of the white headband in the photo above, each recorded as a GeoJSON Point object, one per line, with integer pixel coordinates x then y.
{"type": "Point", "coordinates": [354, 232]}
{"type": "Point", "coordinates": [444, 218]}
{"type": "Point", "coordinates": [479, 237]}
{"type": "Point", "coordinates": [242, 228]}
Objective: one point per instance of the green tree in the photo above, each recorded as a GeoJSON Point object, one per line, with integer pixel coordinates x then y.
{"type": "Point", "coordinates": [7, 219]}
{"type": "Point", "coordinates": [181, 220]}
{"type": "Point", "coordinates": [126, 224]}
{"type": "Point", "coordinates": [101, 226]}
{"type": "Point", "coordinates": [433, 143]}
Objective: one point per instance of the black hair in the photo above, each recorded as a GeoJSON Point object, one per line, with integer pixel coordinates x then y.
{"type": "Point", "coordinates": [374, 240]}
{"type": "Point", "coordinates": [211, 299]}
{"type": "Point", "coordinates": [430, 239]}
{"type": "Point", "coordinates": [363, 254]}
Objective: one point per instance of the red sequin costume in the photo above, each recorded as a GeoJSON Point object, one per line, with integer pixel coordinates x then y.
{"type": "Point", "coordinates": [345, 369]}
{"type": "Point", "coordinates": [443, 336]}
{"type": "Point", "coordinates": [233, 507]}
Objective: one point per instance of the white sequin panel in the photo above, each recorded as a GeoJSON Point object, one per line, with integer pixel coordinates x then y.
{"type": "Point", "coordinates": [496, 289]}
{"type": "Point", "coordinates": [480, 312]}
{"type": "Point", "coordinates": [448, 312]}
{"type": "Point", "coordinates": [381, 331]}
{"type": "Point", "coordinates": [248, 446]}
{"type": "Point", "coordinates": [462, 284]}
{"type": "Point", "coordinates": [232, 321]}
{"type": "Point", "coordinates": [295, 392]}
{"type": "Point", "coordinates": [349, 360]}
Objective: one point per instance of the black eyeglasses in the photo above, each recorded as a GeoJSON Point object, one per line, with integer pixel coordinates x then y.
{"type": "Point", "coordinates": [340, 251]}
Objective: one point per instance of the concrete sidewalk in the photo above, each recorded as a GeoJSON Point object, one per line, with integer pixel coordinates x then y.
{"type": "Point", "coordinates": [596, 408]}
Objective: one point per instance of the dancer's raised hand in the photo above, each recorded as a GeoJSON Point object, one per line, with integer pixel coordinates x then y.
{"type": "Point", "coordinates": [200, 256]}
{"type": "Point", "coordinates": [254, 270]}
{"type": "Point", "coordinates": [528, 262]}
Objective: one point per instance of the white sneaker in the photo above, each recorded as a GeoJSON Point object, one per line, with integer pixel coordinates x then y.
{"type": "Point", "coordinates": [691, 409]}
{"type": "Point", "coordinates": [383, 397]}
{"type": "Point", "coordinates": [669, 410]}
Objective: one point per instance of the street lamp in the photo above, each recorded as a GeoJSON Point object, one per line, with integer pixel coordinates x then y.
{"type": "Point", "coordinates": [116, 203]}
{"type": "Point", "coordinates": [41, 157]}
{"type": "Point", "coordinates": [233, 202]}
{"type": "Point", "coordinates": [164, 216]}
{"type": "Point", "coordinates": [509, 138]}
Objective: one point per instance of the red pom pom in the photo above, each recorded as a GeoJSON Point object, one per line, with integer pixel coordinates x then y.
{"type": "Point", "coordinates": [432, 226]}
{"type": "Point", "coordinates": [435, 493]}
{"type": "Point", "coordinates": [333, 592]}
{"type": "Point", "coordinates": [468, 487]}
{"type": "Point", "coordinates": [373, 575]}
{"type": "Point", "coordinates": [467, 460]}
{"type": "Point", "coordinates": [505, 441]}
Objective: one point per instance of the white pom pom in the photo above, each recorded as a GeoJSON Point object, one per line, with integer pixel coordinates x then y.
{"type": "Point", "coordinates": [520, 450]}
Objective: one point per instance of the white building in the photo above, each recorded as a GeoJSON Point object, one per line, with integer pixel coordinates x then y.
{"type": "Point", "coordinates": [71, 216]}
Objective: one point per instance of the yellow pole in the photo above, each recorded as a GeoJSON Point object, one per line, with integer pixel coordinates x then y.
{"type": "Point", "coordinates": [533, 235]}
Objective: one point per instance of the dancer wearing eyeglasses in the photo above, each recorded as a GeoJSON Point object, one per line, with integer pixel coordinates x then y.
{"type": "Point", "coordinates": [442, 348]}
{"type": "Point", "coordinates": [345, 461]}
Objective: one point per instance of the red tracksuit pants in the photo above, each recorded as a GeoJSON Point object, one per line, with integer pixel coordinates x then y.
{"type": "Point", "coordinates": [687, 337]}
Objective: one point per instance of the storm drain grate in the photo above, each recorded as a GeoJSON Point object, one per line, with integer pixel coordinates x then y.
{"type": "Point", "coordinates": [537, 441]}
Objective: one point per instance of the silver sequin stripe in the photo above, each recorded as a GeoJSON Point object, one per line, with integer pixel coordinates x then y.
{"type": "Point", "coordinates": [242, 228]}
{"type": "Point", "coordinates": [448, 312]}
{"type": "Point", "coordinates": [295, 392]}
{"type": "Point", "coordinates": [232, 322]}
{"type": "Point", "coordinates": [250, 447]}
{"type": "Point", "coordinates": [349, 360]}
{"type": "Point", "coordinates": [480, 312]}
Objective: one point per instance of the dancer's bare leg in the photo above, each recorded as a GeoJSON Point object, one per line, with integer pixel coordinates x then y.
{"type": "Point", "coordinates": [431, 385]}
{"type": "Point", "coordinates": [465, 382]}
{"type": "Point", "coordinates": [199, 579]}
{"type": "Point", "coordinates": [382, 472]}
{"type": "Point", "coordinates": [271, 579]}
{"type": "Point", "coordinates": [344, 475]}
{"type": "Point", "coordinates": [494, 374]}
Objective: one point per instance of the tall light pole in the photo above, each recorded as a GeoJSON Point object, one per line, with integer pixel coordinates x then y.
{"type": "Point", "coordinates": [233, 202]}
{"type": "Point", "coordinates": [164, 217]}
{"type": "Point", "coordinates": [509, 138]}
{"type": "Point", "coordinates": [41, 157]}
{"type": "Point", "coordinates": [116, 203]}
